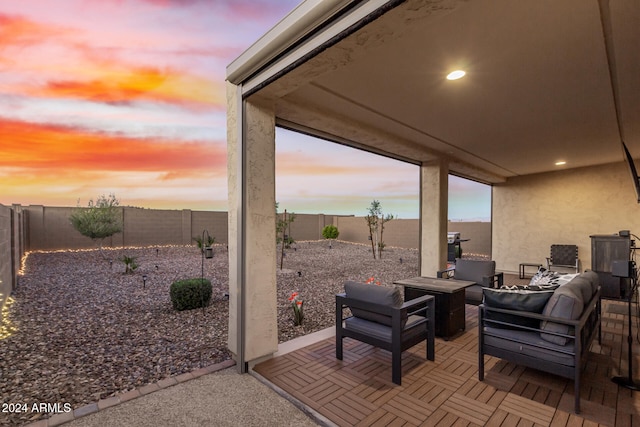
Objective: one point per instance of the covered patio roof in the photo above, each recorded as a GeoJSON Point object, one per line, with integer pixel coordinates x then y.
{"type": "Point", "coordinates": [545, 81]}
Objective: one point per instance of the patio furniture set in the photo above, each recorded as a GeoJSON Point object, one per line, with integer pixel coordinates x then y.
{"type": "Point", "coordinates": [548, 325]}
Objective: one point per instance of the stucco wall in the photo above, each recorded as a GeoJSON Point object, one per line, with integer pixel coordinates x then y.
{"type": "Point", "coordinates": [530, 213]}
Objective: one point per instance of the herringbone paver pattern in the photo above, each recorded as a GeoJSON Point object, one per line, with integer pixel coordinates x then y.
{"type": "Point", "coordinates": [358, 391]}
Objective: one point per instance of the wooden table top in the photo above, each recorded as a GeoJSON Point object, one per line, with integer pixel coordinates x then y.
{"type": "Point", "coordinates": [435, 284]}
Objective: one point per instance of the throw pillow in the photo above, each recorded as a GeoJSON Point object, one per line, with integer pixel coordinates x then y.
{"type": "Point", "coordinates": [518, 299]}
{"type": "Point", "coordinates": [544, 278]}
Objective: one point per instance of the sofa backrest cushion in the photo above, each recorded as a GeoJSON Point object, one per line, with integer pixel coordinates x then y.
{"type": "Point", "coordinates": [593, 278]}
{"type": "Point", "coordinates": [565, 303]}
{"type": "Point", "coordinates": [581, 285]}
{"type": "Point", "coordinates": [516, 299]}
{"type": "Point", "coordinates": [474, 270]}
{"type": "Point", "coordinates": [376, 294]}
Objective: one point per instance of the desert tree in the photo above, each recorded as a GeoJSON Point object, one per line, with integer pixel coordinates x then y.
{"type": "Point", "coordinates": [283, 223]}
{"type": "Point", "coordinates": [99, 220]}
{"type": "Point", "coordinates": [376, 219]}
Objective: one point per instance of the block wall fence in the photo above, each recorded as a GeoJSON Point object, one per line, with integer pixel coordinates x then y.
{"type": "Point", "coordinates": [12, 242]}
{"type": "Point", "coordinates": [45, 228]}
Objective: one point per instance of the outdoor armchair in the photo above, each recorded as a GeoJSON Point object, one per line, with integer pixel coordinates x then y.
{"type": "Point", "coordinates": [480, 271]}
{"type": "Point", "coordinates": [563, 256]}
{"type": "Point", "coordinates": [380, 318]}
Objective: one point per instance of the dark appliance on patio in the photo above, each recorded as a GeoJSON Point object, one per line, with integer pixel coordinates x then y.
{"type": "Point", "coordinates": [605, 249]}
{"type": "Point", "coordinates": [454, 249]}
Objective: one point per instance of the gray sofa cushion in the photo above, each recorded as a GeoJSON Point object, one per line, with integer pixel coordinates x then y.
{"type": "Point", "coordinates": [376, 294]}
{"type": "Point", "coordinates": [565, 303]}
{"type": "Point", "coordinates": [581, 285]}
{"type": "Point", "coordinates": [593, 279]}
{"type": "Point", "coordinates": [530, 344]}
{"type": "Point", "coordinates": [516, 299]}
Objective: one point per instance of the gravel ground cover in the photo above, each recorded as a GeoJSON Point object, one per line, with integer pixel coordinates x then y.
{"type": "Point", "coordinates": [86, 331]}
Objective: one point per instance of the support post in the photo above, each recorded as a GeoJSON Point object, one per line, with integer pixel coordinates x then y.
{"type": "Point", "coordinates": [434, 199]}
{"type": "Point", "coordinates": [253, 329]}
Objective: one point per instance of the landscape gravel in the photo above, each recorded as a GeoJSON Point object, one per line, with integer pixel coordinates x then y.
{"type": "Point", "coordinates": [84, 330]}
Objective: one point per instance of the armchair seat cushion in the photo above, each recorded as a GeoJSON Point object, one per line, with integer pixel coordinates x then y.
{"type": "Point", "coordinates": [383, 332]}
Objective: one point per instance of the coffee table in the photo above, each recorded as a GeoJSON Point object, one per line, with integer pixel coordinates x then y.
{"type": "Point", "coordinates": [449, 301]}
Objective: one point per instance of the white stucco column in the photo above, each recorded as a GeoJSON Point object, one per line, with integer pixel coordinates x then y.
{"type": "Point", "coordinates": [253, 329]}
{"type": "Point", "coordinates": [434, 199]}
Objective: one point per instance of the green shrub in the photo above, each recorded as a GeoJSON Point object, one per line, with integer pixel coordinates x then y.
{"type": "Point", "coordinates": [130, 264]}
{"type": "Point", "coordinates": [190, 293]}
{"type": "Point", "coordinates": [330, 232]}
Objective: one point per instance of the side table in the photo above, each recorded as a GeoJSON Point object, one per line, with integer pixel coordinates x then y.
{"type": "Point", "coordinates": [449, 301]}
{"type": "Point", "coordinates": [527, 264]}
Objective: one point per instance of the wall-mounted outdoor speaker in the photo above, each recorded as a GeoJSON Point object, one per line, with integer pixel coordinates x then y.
{"type": "Point", "coordinates": [622, 268]}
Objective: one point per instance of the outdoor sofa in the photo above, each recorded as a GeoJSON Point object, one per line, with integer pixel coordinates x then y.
{"type": "Point", "coordinates": [546, 329]}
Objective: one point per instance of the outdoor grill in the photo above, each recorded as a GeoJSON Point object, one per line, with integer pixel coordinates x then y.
{"type": "Point", "coordinates": [454, 249]}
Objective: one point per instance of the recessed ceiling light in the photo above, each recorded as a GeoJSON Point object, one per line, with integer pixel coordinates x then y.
{"type": "Point", "coordinates": [455, 75]}
{"type": "Point", "coordinates": [561, 163]}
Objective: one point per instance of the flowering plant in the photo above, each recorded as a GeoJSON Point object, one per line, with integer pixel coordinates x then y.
{"type": "Point", "coordinates": [371, 280]}
{"type": "Point", "coordinates": [296, 304]}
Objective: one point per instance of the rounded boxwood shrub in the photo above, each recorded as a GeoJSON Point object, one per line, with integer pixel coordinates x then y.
{"type": "Point", "coordinates": [330, 232]}
{"type": "Point", "coordinates": [190, 293]}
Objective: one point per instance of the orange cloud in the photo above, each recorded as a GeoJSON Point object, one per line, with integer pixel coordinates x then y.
{"type": "Point", "coordinates": [117, 86]}
{"type": "Point", "coordinates": [54, 149]}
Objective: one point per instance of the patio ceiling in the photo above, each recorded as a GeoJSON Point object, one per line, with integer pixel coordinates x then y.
{"type": "Point", "coordinates": [538, 87]}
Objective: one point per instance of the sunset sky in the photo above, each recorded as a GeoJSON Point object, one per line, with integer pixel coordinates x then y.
{"type": "Point", "coordinates": [127, 97]}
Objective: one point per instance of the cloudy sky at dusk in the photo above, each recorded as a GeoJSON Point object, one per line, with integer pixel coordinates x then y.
{"type": "Point", "coordinates": [127, 97]}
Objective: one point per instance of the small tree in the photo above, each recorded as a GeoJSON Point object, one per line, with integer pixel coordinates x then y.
{"type": "Point", "coordinates": [282, 224]}
{"type": "Point", "coordinates": [372, 218]}
{"type": "Point", "coordinates": [330, 232]}
{"type": "Point", "coordinates": [375, 221]}
{"type": "Point", "coordinates": [101, 219]}
{"type": "Point", "coordinates": [383, 220]}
